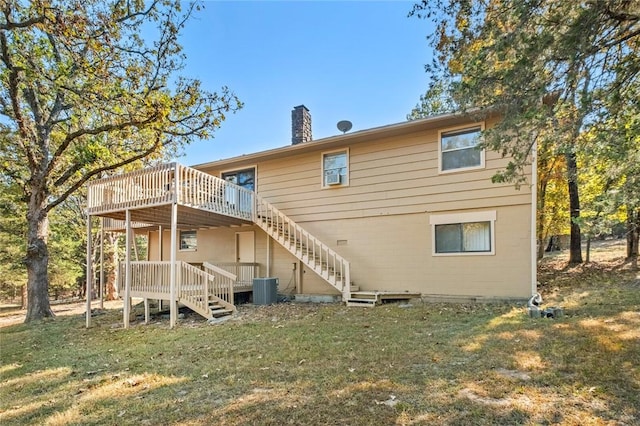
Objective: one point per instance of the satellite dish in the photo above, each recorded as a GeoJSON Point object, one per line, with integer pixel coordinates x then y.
{"type": "Point", "coordinates": [344, 126]}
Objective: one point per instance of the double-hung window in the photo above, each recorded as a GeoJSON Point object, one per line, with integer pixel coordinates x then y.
{"type": "Point", "coordinates": [335, 168]}
{"type": "Point", "coordinates": [463, 233]}
{"type": "Point", "coordinates": [460, 150]}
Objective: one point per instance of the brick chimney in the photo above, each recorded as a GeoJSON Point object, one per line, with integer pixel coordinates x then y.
{"type": "Point", "coordinates": [300, 125]}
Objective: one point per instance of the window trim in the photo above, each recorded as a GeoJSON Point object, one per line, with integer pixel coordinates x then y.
{"type": "Point", "coordinates": [456, 218]}
{"type": "Point", "coordinates": [482, 164]}
{"type": "Point", "coordinates": [195, 231]}
{"type": "Point", "coordinates": [347, 180]}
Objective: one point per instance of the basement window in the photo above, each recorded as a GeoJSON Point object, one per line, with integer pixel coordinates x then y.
{"type": "Point", "coordinates": [188, 240]}
{"type": "Point", "coordinates": [463, 233]}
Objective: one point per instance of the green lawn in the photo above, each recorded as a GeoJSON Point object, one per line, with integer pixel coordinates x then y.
{"type": "Point", "coordinates": [328, 364]}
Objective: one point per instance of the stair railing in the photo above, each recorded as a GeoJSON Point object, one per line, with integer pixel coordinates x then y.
{"type": "Point", "coordinates": [223, 282]}
{"type": "Point", "coordinates": [193, 284]}
{"type": "Point", "coordinates": [310, 250]}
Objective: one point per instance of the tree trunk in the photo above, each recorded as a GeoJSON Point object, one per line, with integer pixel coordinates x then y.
{"type": "Point", "coordinates": [37, 258]}
{"type": "Point", "coordinates": [633, 236]}
{"type": "Point", "coordinates": [575, 248]}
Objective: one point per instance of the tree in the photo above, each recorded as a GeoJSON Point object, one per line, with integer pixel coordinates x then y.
{"type": "Point", "coordinates": [82, 92]}
{"type": "Point", "coordinates": [544, 64]}
{"type": "Point", "coordinates": [438, 99]}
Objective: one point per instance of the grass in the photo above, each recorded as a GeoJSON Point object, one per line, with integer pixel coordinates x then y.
{"type": "Point", "coordinates": [328, 364]}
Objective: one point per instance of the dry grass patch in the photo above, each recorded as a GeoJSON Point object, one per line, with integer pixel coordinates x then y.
{"type": "Point", "coordinates": [328, 364]}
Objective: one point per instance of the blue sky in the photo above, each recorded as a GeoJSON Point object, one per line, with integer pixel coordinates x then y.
{"type": "Point", "coordinates": [361, 61]}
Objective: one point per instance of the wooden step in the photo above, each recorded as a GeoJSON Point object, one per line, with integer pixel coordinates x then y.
{"type": "Point", "coordinates": [218, 310]}
{"type": "Point", "coordinates": [367, 303]}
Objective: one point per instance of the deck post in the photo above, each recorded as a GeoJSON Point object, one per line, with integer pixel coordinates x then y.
{"type": "Point", "coordinates": [147, 315]}
{"type": "Point", "coordinates": [127, 270]}
{"type": "Point", "coordinates": [160, 232]}
{"type": "Point", "coordinates": [101, 263]}
{"type": "Point", "coordinates": [268, 254]}
{"type": "Point", "coordinates": [346, 282]}
{"type": "Point", "coordinates": [173, 303]}
{"type": "Point", "coordinates": [89, 272]}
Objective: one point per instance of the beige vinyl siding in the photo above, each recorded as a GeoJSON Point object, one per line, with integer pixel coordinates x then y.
{"type": "Point", "coordinates": [407, 183]}
{"type": "Point", "coordinates": [388, 176]}
{"type": "Point", "coordinates": [395, 253]}
{"type": "Point", "coordinates": [383, 215]}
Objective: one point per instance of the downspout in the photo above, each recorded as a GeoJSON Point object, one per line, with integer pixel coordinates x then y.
{"type": "Point", "coordinates": [534, 215]}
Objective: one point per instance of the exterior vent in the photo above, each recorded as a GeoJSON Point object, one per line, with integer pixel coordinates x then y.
{"type": "Point", "coordinates": [333, 179]}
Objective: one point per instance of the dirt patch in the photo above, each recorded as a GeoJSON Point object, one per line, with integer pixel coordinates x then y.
{"type": "Point", "coordinates": [17, 316]}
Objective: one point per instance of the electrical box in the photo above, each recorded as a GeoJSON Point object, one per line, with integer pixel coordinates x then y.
{"type": "Point", "coordinates": [265, 291]}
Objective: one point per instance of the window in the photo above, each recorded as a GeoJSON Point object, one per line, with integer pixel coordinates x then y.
{"type": "Point", "coordinates": [463, 233]}
{"type": "Point", "coordinates": [244, 178]}
{"type": "Point", "coordinates": [463, 237]}
{"type": "Point", "coordinates": [188, 240]}
{"type": "Point", "coordinates": [459, 149]}
{"type": "Point", "coordinates": [335, 167]}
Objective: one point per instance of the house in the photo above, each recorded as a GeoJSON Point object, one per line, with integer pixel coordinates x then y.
{"type": "Point", "coordinates": [395, 211]}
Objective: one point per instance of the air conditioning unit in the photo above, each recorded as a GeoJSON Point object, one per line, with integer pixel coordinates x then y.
{"type": "Point", "coordinates": [333, 179]}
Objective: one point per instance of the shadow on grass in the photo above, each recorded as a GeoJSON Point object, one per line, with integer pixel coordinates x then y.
{"type": "Point", "coordinates": [293, 364]}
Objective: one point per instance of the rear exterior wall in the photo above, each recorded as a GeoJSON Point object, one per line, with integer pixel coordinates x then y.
{"type": "Point", "coordinates": [380, 221]}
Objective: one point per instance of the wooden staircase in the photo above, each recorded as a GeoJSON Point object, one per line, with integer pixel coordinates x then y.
{"type": "Point", "coordinates": [208, 292]}
{"type": "Point", "coordinates": [312, 252]}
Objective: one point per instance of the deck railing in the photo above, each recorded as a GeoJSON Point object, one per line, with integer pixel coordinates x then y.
{"type": "Point", "coordinates": [168, 183]}
{"type": "Point", "coordinates": [147, 187]}
{"type": "Point", "coordinates": [244, 271]}
{"type": "Point", "coordinates": [153, 280]}
{"type": "Point", "coordinates": [148, 279]}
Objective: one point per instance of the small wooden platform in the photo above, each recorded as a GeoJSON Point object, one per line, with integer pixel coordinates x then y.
{"type": "Point", "coordinates": [373, 298]}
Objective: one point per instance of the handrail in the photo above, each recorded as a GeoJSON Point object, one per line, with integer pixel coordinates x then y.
{"type": "Point", "coordinates": [223, 282]}
{"type": "Point", "coordinates": [194, 284]}
{"type": "Point", "coordinates": [245, 271]}
{"type": "Point", "coordinates": [313, 252]}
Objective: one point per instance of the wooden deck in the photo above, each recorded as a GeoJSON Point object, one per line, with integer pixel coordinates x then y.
{"type": "Point", "coordinates": [187, 218]}
{"type": "Point", "coordinates": [373, 298]}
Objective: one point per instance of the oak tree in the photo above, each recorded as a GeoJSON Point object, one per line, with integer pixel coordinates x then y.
{"type": "Point", "coordinates": [87, 87]}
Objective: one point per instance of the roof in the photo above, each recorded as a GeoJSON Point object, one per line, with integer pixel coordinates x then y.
{"type": "Point", "coordinates": [338, 141]}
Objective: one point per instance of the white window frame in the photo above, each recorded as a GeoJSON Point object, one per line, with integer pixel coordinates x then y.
{"type": "Point", "coordinates": [180, 240]}
{"type": "Point", "coordinates": [457, 129]}
{"type": "Point", "coordinates": [322, 171]}
{"type": "Point", "coordinates": [458, 218]}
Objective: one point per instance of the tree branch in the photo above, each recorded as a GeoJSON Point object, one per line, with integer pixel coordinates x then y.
{"type": "Point", "coordinates": [99, 170]}
{"type": "Point", "coordinates": [14, 83]}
